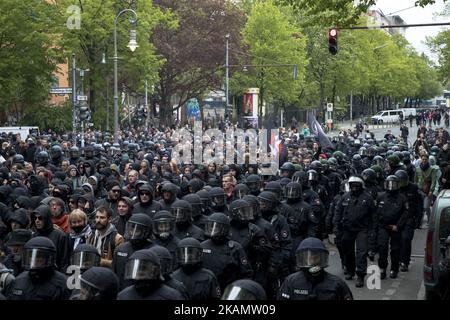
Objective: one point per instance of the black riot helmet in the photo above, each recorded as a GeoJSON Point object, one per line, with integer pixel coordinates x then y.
{"type": "Point", "coordinates": [313, 176]}
{"type": "Point", "coordinates": [241, 190]}
{"type": "Point", "coordinates": [99, 283]}
{"type": "Point", "coordinates": [218, 197]}
{"type": "Point", "coordinates": [85, 256]}
{"type": "Point", "coordinates": [402, 175]}
{"type": "Point", "coordinates": [369, 176]}
{"type": "Point", "coordinates": [143, 265]}
{"type": "Point", "coordinates": [56, 152]}
{"type": "Point", "coordinates": [371, 152]}
{"type": "Point", "coordinates": [392, 183]}
{"type": "Point", "coordinates": [312, 255]}
{"type": "Point", "coordinates": [163, 224]}
{"type": "Point", "coordinates": [189, 252]}
{"type": "Point", "coordinates": [242, 211]}
{"type": "Point", "coordinates": [275, 187]}
{"type": "Point", "coordinates": [317, 166]}
{"type": "Point", "coordinates": [18, 158]}
{"type": "Point", "coordinates": [74, 152]}
{"type": "Point", "coordinates": [267, 201]}
{"type": "Point", "coordinates": [253, 201]}
{"type": "Point", "coordinates": [287, 169]}
{"type": "Point", "coordinates": [205, 197]}
{"type": "Point", "coordinates": [138, 228]}
{"type": "Point", "coordinates": [181, 211]}
{"type": "Point", "coordinates": [196, 203]}
{"type": "Point", "coordinates": [379, 161]}
{"type": "Point", "coordinates": [217, 226]}
{"type": "Point", "coordinates": [300, 177]}
{"type": "Point", "coordinates": [293, 191]}
{"type": "Point", "coordinates": [165, 259]}
{"type": "Point", "coordinates": [38, 253]}
{"type": "Point", "coordinates": [332, 164]}
{"type": "Point", "coordinates": [42, 158]}
{"type": "Point", "coordinates": [406, 157]}
{"type": "Point", "coordinates": [253, 182]}
{"type": "Point", "coordinates": [244, 289]}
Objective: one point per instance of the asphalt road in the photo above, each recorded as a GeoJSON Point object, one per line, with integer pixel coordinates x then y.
{"type": "Point", "coordinates": [408, 285]}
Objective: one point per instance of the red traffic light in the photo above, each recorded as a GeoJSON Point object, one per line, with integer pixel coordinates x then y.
{"type": "Point", "coordinates": [332, 32]}
{"type": "Point", "coordinates": [332, 41]}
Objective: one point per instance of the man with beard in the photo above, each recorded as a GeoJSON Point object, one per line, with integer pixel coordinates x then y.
{"type": "Point", "coordinates": [105, 238]}
{"type": "Point", "coordinates": [59, 217]}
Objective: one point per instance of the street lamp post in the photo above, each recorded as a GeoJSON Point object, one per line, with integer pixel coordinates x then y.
{"type": "Point", "coordinates": [227, 67]}
{"type": "Point", "coordinates": [132, 45]}
{"type": "Point", "coordinates": [74, 99]}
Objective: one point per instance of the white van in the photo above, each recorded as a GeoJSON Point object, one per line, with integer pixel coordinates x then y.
{"type": "Point", "coordinates": [24, 131]}
{"type": "Point", "coordinates": [392, 116]}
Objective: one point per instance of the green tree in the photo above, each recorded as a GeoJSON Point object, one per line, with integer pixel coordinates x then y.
{"type": "Point", "coordinates": [27, 55]}
{"type": "Point", "coordinates": [272, 39]}
{"type": "Point", "coordinates": [95, 39]}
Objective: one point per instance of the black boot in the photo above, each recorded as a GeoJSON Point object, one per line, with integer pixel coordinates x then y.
{"type": "Point", "coordinates": [359, 282]}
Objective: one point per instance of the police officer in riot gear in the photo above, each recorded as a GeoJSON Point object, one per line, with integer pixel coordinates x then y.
{"type": "Point", "coordinates": [303, 223]}
{"type": "Point", "coordinates": [167, 265]}
{"type": "Point", "coordinates": [393, 214]}
{"type": "Point", "coordinates": [182, 212]}
{"type": "Point", "coordinates": [99, 283]}
{"type": "Point", "coordinates": [250, 236]}
{"type": "Point", "coordinates": [84, 257]}
{"type": "Point", "coordinates": [287, 170]}
{"type": "Point", "coordinates": [312, 282]}
{"type": "Point", "coordinates": [244, 289]}
{"type": "Point", "coordinates": [281, 241]}
{"type": "Point", "coordinates": [370, 181]}
{"type": "Point", "coordinates": [253, 182]}
{"type": "Point", "coordinates": [40, 281]}
{"type": "Point", "coordinates": [144, 270]}
{"type": "Point", "coordinates": [224, 257]}
{"type": "Point", "coordinates": [218, 200]}
{"type": "Point", "coordinates": [201, 283]}
{"type": "Point", "coordinates": [206, 201]}
{"type": "Point", "coordinates": [355, 219]}
{"type": "Point", "coordinates": [198, 218]}
{"type": "Point", "coordinates": [138, 233]}
{"type": "Point", "coordinates": [163, 224]}
{"type": "Point", "coordinates": [415, 204]}
{"type": "Point", "coordinates": [241, 190]}
{"type": "Point", "coordinates": [74, 155]}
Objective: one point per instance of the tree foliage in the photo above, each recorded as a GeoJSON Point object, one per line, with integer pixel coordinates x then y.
{"type": "Point", "coordinates": [27, 54]}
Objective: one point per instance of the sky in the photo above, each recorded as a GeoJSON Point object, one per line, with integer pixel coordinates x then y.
{"type": "Point", "coordinates": [416, 36]}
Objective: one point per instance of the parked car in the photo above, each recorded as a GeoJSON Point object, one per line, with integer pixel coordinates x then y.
{"type": "Point", "coordinates": [438, 231]}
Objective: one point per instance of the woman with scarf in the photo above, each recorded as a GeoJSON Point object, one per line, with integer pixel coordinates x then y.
{"type": "Point", "coordinates": [79, 228]}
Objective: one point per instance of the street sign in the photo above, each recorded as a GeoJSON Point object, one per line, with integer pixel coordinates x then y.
{"type": "Point", "coordinates": [61, 90]}
{"type": "Point", "coordinates": [82, 98]}
{"type": "Point", "coordinates": [329, 107]}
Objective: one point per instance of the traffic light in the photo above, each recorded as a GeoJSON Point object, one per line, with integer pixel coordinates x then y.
{"type": "Point", "coordinates": [84, 111]}
{"type": "Point", "coordinates": [332, 41]}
